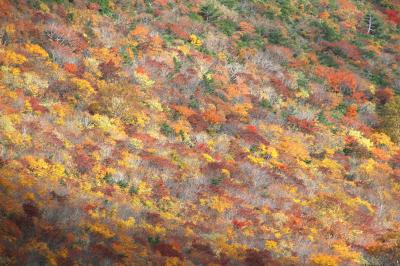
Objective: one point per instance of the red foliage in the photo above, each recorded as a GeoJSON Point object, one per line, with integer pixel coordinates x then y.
{"type": "Point", "coordinates": [239, 224]}
{"type": "Point", "coordinates": [109, 70]}
{"type": "Point", "coordinates": [93, 6]}
{"type": "Point", "coordinates": [351, 110]}
{"type": "Point", "coordinates": [213, 117]}
{"type": "Point", "coordinates": [337, 78]}
{"type": "Point", "coordinates": [350, 50]}
{"type": "Point", "coordinates": [157, 161]}
{"type": "Point", "coordinates": [5, 8]}
{"type": "Point", "coordinates": [393, 16]}
{"type": "Point", "coordinates": [396, 160]}
{"type": "Point", "coordinates": [12, 228]}
{"type": "Point", "coordinates": [280, 86]}
{"type": "Point", "coordinates": [251, 128]}
{"type": "Point", "coordinates": [259, 258]}
{"type": "Point", "coordinates": [360, 96]}
{"type": "Point", "coordinates": [384, 95]}
{"type": "Point", "coordinates": [178, 31]}
{"type": "Point", "coordinates": [83, 161]}
{"type": "Point", "coordinates": [304, 125]}
{"type": "Point", "coordinates": [162, 3]}
{"type": "Point", "coordinates": [197, 122]}
{"type": "Point", "coordinates": [31, 210]}
{"type": "Point", "coordinates": [168, 250]}
{"type": "Point", "coordinates": [252, 137]}
{"type": "Point", "coordinates": [36, 105]}
{"type": "Point", "coordinates": [71, 68]}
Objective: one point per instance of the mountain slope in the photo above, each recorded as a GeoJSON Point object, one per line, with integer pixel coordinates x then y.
{"type": "Point", "coordinates": [224, 132]}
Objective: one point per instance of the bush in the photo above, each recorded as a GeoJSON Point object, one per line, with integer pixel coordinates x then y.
{"type": "Point", "coordinates": [209, 12]}
{"type": "Point", "coordinates": [328, 33]}
{"type": "Point", "coordinates": [227, 26]}
{"type": "Point", "coordinates": [275, 37]}
{"type": "Point", "coordinates": [166, 130]}
{"type": "Point", "coordinates": [229, 3]}
{"type": "Point", "coordinates": [193, 103]}
{"type": "Point", "coordinates": [390, 118]}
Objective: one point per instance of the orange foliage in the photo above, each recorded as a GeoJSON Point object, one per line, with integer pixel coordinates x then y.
{"type": "Point", "coordinates": [140, 31]}
{"type": "Point", "coordinates": [183, 110]}
{"type": "Point", "coordinates": [213, 117]}
{"type": "Point", "coordinates": [71, 68]}
{"type": "Point", "coordinates": [246, 27]}
{"type": "Point", "coordinates": [351, 110]}
{"type": "Point", "coordinates": [337, 78]}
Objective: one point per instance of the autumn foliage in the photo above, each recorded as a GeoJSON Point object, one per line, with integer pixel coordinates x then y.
{"type": "Point", "coordinates": [165, 132]}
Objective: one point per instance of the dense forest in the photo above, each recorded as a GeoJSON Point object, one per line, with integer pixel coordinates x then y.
{"type": "Point", "coordinates": [200, 132]}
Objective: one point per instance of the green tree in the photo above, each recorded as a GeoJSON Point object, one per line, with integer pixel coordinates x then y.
{"type": "Point", "coordinates": [209, 12]}
{"type": "Point", "coordinates": [390, 115]}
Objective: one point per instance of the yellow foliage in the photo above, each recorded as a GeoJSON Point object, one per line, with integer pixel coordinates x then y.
{"type": "Point", "coordinates": [256, 160]}
{"type": "Point", "coordinates": [141, 119]}
{"type": "Point", "coordinates": [226, 172]}
{"type": "Point", "coordinates": [101, 230]}
{"type": "Point", "coordinates": [144, 80]}
{"type": "Point", "coordinates": [369, 166]}
{"type": "Point", "coordinates": [182, 126]}
{"type": "Point", "coordinates": [154, 230]}
{"type": "Point", "coordinates": [233, 250]}
{"type": "Point", "coordinates": [83, 86]}
{"type": "Point", "coordinates": [324, 260]}
{"type": "Point", "coordinates": [144, 189]}
{"type": "Point", "coordinates": [44, 7]}
{"type": "Point", "coordinates": [241, 109]}
{"type": "Point", "coordinates": [129, 223]}
{"type": "Point", "coordinates": [155, 105]}
{"type": "Point", "coordinates": [219, 204]}
{"type": "Point", "coordinates": [32, 83]}
{"type": "Point", "coordinates": [271, 151]}
{"type": "Point", "coordinates": [36, 49]}
{"type": "Point", "coordinates": [330, 164]}
{"type": "Point", "coordinates": [136, 143]}
{"type": "Point", "coordinates": [272, 245]}
{"type": "Point", "coordinates": [346, 253]}
{"type": "Point", "coordinates": [357, 201]}
{"type": "Point", "coordinates": [173, 261]}
{"type": "Point", "coordinates": [294, 147]}
{"type": "Point", "coordinates": [10, 28]}
{"type": "Point", "coordinates": [9, 133]}
{"type": "Point", "coordinates": [221, 56]}
{"type": "Point", "coordinates": [44, 250]}
{"type": "Point", "coordinates": [111, 126]}
{"type": "Point", "coordinates": [208, 158]}
{"type": "Point", "coordinates": [184, 49]}
{"type": "Point", "coordinates": [11, 58]}
{"type": "Point", "coordinates": [195, 40]}
{"type": "Point", "coordinates": [382, 139]}
{"type": "Point", "coordinates": [361, 139]}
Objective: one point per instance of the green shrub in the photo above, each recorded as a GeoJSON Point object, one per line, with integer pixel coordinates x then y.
{"type": "Point", "coordinates": [166, 130]}
{"type": "Point", "coordinates": [133, 190]}
{"type": "Point", "coordinates": [264, 103]}
{"type": "Point", "coordinates": [209, 12]}
{"type": "Point", "coordinates": [229, 3]}
{"type": "Point", "coordinates": [227, 26]}
{"type": "Point", "coordinates": [122, 184]}
{"type": "Point", "coordinates": [390, 117]}
{"type": "Point", "coordinates": [275, 37]}
{"type": "Point", "coordinates": [193, 103]}
{"type": "Point", "coordinates": [195, 17]}
{"type": "Point", "coordinates": [326, 60]}
{"type": "Point", "coordinates": [328, 33]}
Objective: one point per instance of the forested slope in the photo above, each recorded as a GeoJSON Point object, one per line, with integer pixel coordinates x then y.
{"type": "Point", "coordinates": [221, 132]}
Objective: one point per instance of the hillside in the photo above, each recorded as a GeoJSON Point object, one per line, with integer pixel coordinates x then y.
{"type": "Point", "coordinates": [191, 132]}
